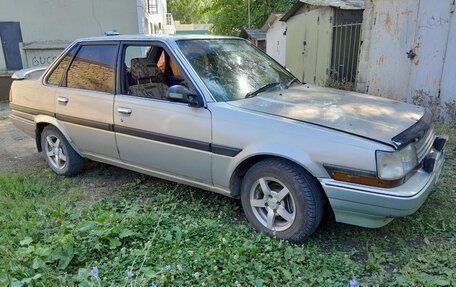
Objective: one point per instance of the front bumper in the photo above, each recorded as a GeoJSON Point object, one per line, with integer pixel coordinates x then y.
{"type": "Point", "coordinates": [375, 207]}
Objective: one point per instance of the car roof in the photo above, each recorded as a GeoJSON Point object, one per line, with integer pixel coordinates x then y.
{"type": "Point", "coordinates": [142, 37]}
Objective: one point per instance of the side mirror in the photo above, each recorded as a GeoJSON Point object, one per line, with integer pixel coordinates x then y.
{"type": "Point", "coordinates": [179, 93]}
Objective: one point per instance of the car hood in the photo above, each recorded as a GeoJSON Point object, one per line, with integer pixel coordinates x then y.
{"type": "Point", "coordinates": [367, 116]}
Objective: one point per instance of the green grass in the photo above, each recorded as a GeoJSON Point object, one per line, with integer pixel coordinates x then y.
{"type": "Point", "coordinates": [53, 230]}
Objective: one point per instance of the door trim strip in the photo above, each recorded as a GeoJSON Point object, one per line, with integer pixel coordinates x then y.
{"type": "Point", "coordinates": [184, 142]}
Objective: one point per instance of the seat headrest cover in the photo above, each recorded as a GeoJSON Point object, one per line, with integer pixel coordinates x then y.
{"type": "Point", "coordinates": [142, 68]}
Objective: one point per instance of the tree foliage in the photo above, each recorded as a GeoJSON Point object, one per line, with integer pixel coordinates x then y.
{"type": "Point", "coordinates": [228, 17]}
{"type": "Point", "coordinates": [189, 11]}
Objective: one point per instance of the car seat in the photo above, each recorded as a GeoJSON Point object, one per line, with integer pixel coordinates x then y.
{"type": "Point", "coordinates": [149, 81]}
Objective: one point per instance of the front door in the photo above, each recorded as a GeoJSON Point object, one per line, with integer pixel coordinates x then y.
{"type": "Point", "coordinates": [153, 132]}
{"type": "Point", "coordinates": [11, 36]}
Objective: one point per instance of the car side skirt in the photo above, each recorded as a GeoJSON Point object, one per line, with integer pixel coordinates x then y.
{"type": "Point", "coordinates": [160, 174]}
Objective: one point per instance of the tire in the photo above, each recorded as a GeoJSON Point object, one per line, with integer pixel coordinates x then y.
{"type": "Point", "coordinates": [59, 154]}
{"type": "Point", "coordinates": [282, 199]}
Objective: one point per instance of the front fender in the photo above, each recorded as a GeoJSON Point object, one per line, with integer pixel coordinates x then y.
{"type": "Point", "coordinates": [224, 168]}
{"type": "Point", "coordinates": [287, 151]}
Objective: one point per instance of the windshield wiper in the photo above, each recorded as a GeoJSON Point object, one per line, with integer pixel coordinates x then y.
{"type": "Point", "coordinates": [261, 89]}
{"type": "Point", "coordinates": [291, 82]}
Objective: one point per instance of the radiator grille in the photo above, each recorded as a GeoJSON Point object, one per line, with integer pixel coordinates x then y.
{"type": "Point", "coordinates": [424, 145]}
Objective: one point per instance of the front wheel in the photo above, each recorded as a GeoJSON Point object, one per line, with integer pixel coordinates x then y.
{"type": "Point", "coordinates": [282, 199]}
{"type": "Point", "coordinates": [59, 154]}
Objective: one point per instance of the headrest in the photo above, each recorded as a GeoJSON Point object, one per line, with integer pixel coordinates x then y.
{"type": "Point", "coordinates": [142, 68]}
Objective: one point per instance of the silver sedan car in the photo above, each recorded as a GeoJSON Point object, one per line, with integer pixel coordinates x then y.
{"type": "Point", "coordinates": [219, 114]}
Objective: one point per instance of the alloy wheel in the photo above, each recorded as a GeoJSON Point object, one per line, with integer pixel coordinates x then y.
{"type": "Point", "coordinates": [273, 204]}
{"type": "Point", "coordinates": [55, 152]}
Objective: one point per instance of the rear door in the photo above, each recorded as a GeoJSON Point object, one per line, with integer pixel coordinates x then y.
{"type": "Point", "coordinates": [84, 102]}
{"type": "Point", "coordinates": [156, 133]}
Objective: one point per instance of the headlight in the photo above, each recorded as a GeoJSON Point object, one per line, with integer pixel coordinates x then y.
{"type": "Point", "coordinates": [395, 165]}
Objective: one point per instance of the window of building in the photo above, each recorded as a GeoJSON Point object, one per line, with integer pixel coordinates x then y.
{"type": "Point", "coordinates": [152, 6]}
{"type": "Point", "coordinates": [93, 68]}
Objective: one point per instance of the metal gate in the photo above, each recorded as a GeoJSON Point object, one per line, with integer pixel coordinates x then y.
{"type": "Point", "coordinates": [345, 52]}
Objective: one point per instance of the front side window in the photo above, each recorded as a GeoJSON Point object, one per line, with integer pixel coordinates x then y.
{"type": "Point", "coordinates": [93, 68]}
{"type": "Point", "coordinates": [232, 69]}
{"type": "Point", "coordinates": [149, 71]}
{"type": "Point", "coordinates": [56, 75]}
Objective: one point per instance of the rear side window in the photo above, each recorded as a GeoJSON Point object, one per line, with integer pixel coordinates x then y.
{"type": "Point", "coordinates": [56, 75]}
{"type": "Point", "coordinates": [93, 68]}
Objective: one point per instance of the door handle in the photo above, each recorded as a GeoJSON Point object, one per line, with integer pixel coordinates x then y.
{"type": "Point", "coordinates": [125, 111]}
{"type": "Point", "coordinates": [62, 100]}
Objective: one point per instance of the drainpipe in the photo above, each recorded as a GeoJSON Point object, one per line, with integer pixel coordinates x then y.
{"type": "Point", "coordinates": [140, 11]}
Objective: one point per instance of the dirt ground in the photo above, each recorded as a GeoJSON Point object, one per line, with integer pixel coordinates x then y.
{"type": "Point", "coordinates": [4, 109]}
{"type": "Point", "coordinates": [18, 153]}
{"type": "Point", "coordinates": [17, 150]}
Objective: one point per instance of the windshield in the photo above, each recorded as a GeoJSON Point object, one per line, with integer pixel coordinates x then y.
{"type": "Point", "coordinates": [233, 69]}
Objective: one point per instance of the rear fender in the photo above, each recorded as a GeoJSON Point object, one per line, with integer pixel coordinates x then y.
{"type": "Point", "coordinates": [40, 119]}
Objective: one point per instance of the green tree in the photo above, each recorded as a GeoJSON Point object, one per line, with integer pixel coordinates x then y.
{"type": "Point", "coordinates": [229, 17]}
{"type": "Point", "coordinates": [189, 11]}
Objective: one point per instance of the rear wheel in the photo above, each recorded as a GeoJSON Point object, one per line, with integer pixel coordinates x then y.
{"type": "Point", "coordinates": [282, 199]}
{"type": "Point", "coordinates": [59, 154]}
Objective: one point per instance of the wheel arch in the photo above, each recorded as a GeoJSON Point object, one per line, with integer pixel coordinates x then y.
{"type": "Point", "coordinates": [241, 169]}
{"type": "Point", "coordinates": [42, 122]}
{"type": "Point", "coordinates": [38, 131]}
{"type": "Point", "coordinates": [238, 175]}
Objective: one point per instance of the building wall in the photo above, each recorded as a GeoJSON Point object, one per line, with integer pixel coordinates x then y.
{"type": "Point", "coordinates": [421, 28]}
{"type": "Point", "coordinates": [276, 41]}
{"type": "Point", "coordinates": [155, 21]}
{"type": "Point", "coordinates": [66, 20]}
{"type": "Point", "coordinates": [42, 57]}
{"type": "Point", "coordinates": [196, 28]}
{"type": "Point", "coordinates": [448, 86]}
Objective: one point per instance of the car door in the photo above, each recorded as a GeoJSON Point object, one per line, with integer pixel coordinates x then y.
{"type": "Point", "coordinates": [153, 132]}
{"type": "Point", "coordinates": [85, 99]}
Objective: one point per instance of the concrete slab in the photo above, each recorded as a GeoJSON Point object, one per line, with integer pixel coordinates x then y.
{"type": "Point", "coordinates": [4, 109]}
{"type": "Point", "coordinates": [17, 150]}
